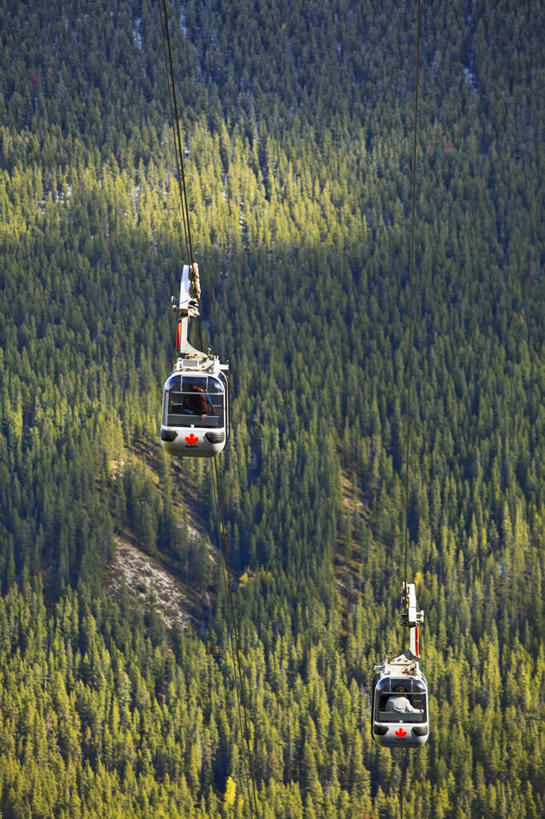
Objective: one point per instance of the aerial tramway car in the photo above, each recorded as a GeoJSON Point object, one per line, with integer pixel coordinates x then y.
{"type": "Point", "coordinates": [399, 700]}
{"type": "Point", "coordinates": [195, 415]}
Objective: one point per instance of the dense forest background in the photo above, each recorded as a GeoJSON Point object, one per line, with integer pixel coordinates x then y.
{"type": "Point", "coordinates": [297, 123]}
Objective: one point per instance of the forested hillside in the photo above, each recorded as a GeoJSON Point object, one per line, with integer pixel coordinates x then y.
{"type": "Point", "coordinates": [297, 121]}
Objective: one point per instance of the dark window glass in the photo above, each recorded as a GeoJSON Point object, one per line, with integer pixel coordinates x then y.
{"type": "Point", "coordinates": [386, 712]}
{"type": "Point", "coordinates": [194, 383]}
{"type": "Point", "coordinates": [173, 383]}
{"type": "Point", "coordinates": [214, 385]}
{"type": "Point", "coordinates": [194, 400]}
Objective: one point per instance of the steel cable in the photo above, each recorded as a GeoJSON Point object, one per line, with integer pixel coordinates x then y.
{"type": "Point", "coordinates": [234, 638]}
{"type": "Point", "coordinates": [402, 783]}
{"type": "Point", "coordinates": [411, 308]}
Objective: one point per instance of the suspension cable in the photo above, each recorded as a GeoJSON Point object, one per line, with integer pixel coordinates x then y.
{"type": "Point", "coordinates": [242, 706]}
{"type": "Point", "coordinates": [175, 122]}
{"type": "Point", "coordinates": [402, 784]}
{"type": "Point", "coordinates": [411, 304]}
{"type": "Point", "coordinates": [242, 709]}
{"type": "Point", "coordinates": [178, 148]}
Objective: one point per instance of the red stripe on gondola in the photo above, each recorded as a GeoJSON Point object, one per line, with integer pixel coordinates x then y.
{"type": "Point", "coordinates": [178, 334]}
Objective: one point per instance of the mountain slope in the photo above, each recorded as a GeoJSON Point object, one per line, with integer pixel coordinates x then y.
{"type": "Point", "coordinates": [297, 122]}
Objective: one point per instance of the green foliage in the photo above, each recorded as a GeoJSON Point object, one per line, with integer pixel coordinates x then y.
{"type": "Point", "coordinates": [297, 121]}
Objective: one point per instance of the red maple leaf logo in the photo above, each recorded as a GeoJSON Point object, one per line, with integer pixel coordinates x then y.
{"type": "Point", "coordinates": [191, 439]}
{"type": "Point", "coordinates": [401, 733]}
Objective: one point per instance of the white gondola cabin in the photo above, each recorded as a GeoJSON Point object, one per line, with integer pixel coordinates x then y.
{"type": "Point", "coordinates": [400, 704]}
{"type": "Point", "coordinates": [399, 697]}
{"type": "Point", "coordinates": [195, 418]}
{"type": "Point", "coordinates": [195, 414]}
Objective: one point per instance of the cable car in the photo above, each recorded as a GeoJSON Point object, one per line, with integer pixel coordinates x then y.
{"type": "Point", "coordinates": [399, 698]}
{"type": "Point", "coordinates": [400, 705]}
{"type": "Point", "coordinates": [195, 414]}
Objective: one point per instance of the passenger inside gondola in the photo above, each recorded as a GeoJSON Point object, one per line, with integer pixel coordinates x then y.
{"type": "Point", "coordinates": [196, 401]}
{"type": "Point", "coordinates": [398, 703]}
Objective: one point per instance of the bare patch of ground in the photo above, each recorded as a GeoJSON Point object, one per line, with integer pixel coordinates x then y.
{"type": "Point", "coordinates": [353, 499]}
{"type": "Point", "coordinates": [145, 577]}
{"type": "Point", "coordinates": [161, 578]}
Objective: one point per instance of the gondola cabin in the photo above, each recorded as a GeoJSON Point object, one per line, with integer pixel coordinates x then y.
{"type": "Point", "coordinates": [400, 704]}
{"type": "Point", "coordinates": [195, 416]}
{"type": "Point", "coordinates": [195, 413]}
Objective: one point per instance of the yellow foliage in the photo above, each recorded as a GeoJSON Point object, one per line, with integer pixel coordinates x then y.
{"type": "Point", "coordinates": [230, 792]}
